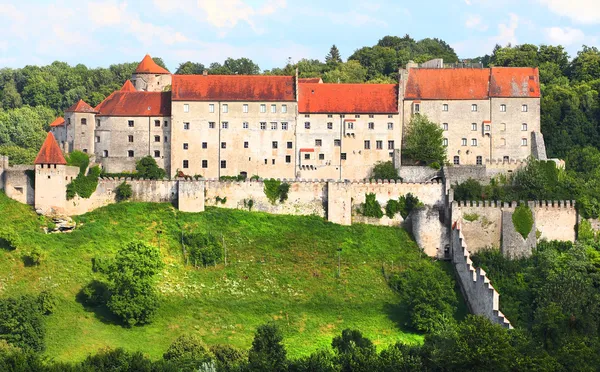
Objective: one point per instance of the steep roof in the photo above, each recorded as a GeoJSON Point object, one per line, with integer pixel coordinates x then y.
{"type": "Point", "coordinates": [446, 83]}
{"type": "Point", "coordinates": [58, 122]}
{"type": "Point", "coordinates": [310, 80]}
{"type": "Point", "coordinates": [50, 152]}
{"type": "Point", "coordinates": [233, 88]}
{"type": "Point", "coordinates": [124, 103]}
{"type": "Point", "coordinates": [348, 98]}
{"type": "Point", "coordinates": [128, 87]}
{"type": "Point", "coordinates": [148, 66]}
{"type": "Point", "coordinates": [515, 82]}
{"type": "Point", "coordinates": [81, 106]}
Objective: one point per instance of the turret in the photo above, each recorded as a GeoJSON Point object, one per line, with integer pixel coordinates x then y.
{"type": "Point", "coordinates": [50, 178]}
{"type": "Point", "coordinates": [80, 125]}
{"type": "Point", "coordinates": [150, 77]}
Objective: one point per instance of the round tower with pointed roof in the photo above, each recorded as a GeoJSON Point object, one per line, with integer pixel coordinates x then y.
{"type": "Point", "coordinates": [150, 77]}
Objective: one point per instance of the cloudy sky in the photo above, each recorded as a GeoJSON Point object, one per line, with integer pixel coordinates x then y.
{"type": "Point", "coordinates": [98, 33]}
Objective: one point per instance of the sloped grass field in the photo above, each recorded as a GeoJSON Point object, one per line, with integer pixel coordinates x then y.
{"type": "Point", "coordinates": [279, 268]}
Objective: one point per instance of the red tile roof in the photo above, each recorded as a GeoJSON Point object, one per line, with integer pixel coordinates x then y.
{"type": "Point", "coordinates": [348, 98]}
{"type": "Point", "coordinates": [136, 104]}
{"type": "Point", "coordinates": [50, 152]}
{"type": "Point", "coordinates": [233, 88]}
{"type": "Point", "coordinates": [442, 83]}
{"type": "Point", "coordinates": [316, 80]}
{"type": "Point", "coordinates": [307, 150]}
{"type": "Point", "coordinates": [80, 106]}
{"type": "Point", "coordinates": [58, 122]}
{"type": "Point", "coordinates": [515, 82]}
{"type": "Point", "coordinates": [128, 87]}
{"type": "Point", "coordinates": [148, 66]}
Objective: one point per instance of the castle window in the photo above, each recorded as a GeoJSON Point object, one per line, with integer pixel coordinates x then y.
{"type": "Point", "coordinates": [456, 160]}
{"type": "Point", "coordinates": [186, 164]}
{"type": "Point", "coordinates": [223, 145]}
{"type": "Point", "coordinates": [356, 116]}
{"type": "Point", "coordinates": [445, 107]}
{"type": "Point", "coordinates": [307, 125]}
{"type": "Point", "coordinates": [166, 124]}
{"type": "Point", "coordinates": [350, 124]}
{"type": "Point", "coordinates": [479, 160]}
{"type": "Point", "coordinates": [266, 161]}
{"type": "Point", "coordinates": [130, 123]}
{"type": "Point", "coordinates": [390, 145]}
{"type": "Point", "coordinates": [284, 109]}
{"type": "Point", "coordinates": [342, 116]}
{"type": "Point", "coordinates": [68, 121]}
{"type": "Point", "coordinates": [307, 115]}
{"type": "Point", "coordinates": [288, 159]}
{"type": "Point", "coordinates": [211, 125]}
{"type": "Point", "coordinates": [463, 142]}
{"type": "Point", "coordinates": [473, 141]}
{"type": "Point", "coordinates": [105, 154]}
{"type": "Point", "coordinates": [130, 153]}
{"type": "Point", "coordinates": [185, 146]}
{"type": "Point", "coordinates": [83, 121]}
{"type": "Point", "coordinates": [390, 116]}
{"type": "Point", "coordinates": [273, 109]}
{"type": "Point", "coordinates": [524, 127]}
{"type": "Point", "coordinates": [166, 139]}
{"type": "Point", "coordinates": [503, 108]}
{"type": "Point", "coordinates": [263, 108]}
{"type": "Point", "coordinates": [445, 126]}
{"type": "Point", "coordinates": [318, 142]}
{"type": "Point", "coordinates": [329, 116]}
{"type": "Point", "coordinates": [289, 144]}
{"type": "Point", "coordinates": [284, 125]}
{"type": "Point", "coordinates": [186, 107]}
{"type": "Point", "coordinates": [245, 108]}
{"type": "Point", "coordinates": [367, 145]}
{"type": "Point", "coordinates": [246, 144]}
{"type": "Point", "coordinates": [84, 150]}
{"type": "Point", "coordinates": [307, 156]}
{"type": "Point", "coordinates": [371, 126]}
{"type": "Point", "coordinates": [390, 126]}
{"type": "Point", "coordinates": [186, 126]}
{"type": "Point", "coordinates": [245, 125]}
{"type": "Point", "coordinates": [97, 139]}
{"type": "Point", "coordinates": [156, 138]}
{"type": "Point", "coordinates": [343, 156]}
{"type": "Point", "coordinates": [130, 138]}
{"type": "Point", "coordinates": [473, 108]}
{"type": "Point", "coordinates": [274, 125]}
{"type": "Point", "coordinates": [223, 164]}
{"type": "Point", "coordinates": [473, 126]}
{"type": "Point", "coordinates": [204, 164]}
{"type": "Point", "coordinates": [523, 141]}
{"type": "Point", "coordinates": [263, 125]}
{"type": "Point", "coordinates": [379, 145]}
{"type": "Point", "coordinates": [273, 161]}
{"type": "Point", "coordinates": [274, 144]}
{"type": "Point", "coordinates": [97, 122]}
{"type": "Point", "coordinates": [329, 125]}
{"type": "Point", "coordinates": [445, 141]}
{"type": "Point", "coordinates": [337, 142]}
{"type": "Point", "coordinates": [503, 126]}
{"type": "Point", "coordinates": [417, 108]}
{"type": "Point", "coordinates": [371, 116]}
{"type": "Point", "coordinates": [225, 108]}
{"type": "Point", "coordinates": [505, 159]}
{"type": "Point", "coordinates": [488, 127]}
{"type": "Point", "coordinates": [204, 145]}
{"type": "Point", "coordinates": [224, 125]}
{"type": "Point", "coordinates": [211, 107]}
{"type": "Point", "coordinates": [321, 156]}
{"type": "Point", "coordinates": [157, 123]}
{"type": "Point", "coordinates": [156, 154]}
{"type": "Point", "coordinates": [524, 108]}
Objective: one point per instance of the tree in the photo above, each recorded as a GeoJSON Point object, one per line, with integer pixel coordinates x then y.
{"type": "Point", "coordinates": [384, 170]}
{"type": "Point", "coordinates": [133, 296]}
{"type": "Point", "coordinates": [424, 141]}
{"type": "Point", "coordinates": [21, 323]}
{"type": "Point", "coordinates": [349, 72]}
{"type": "Point", "coordinates": [267, 352]}
{"type": "Point", "coordinates": [189, 349]}
{"type": "Point", "coordinates": [190, 68]}
{"type": "Point", "coordinates": [333, 57]}
{"type": "Point", "coordinates": [147, 168]}
{"type": "Point", "coordinates": [354, 352]}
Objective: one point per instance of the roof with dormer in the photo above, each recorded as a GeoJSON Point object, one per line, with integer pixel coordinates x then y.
{"type": "Point", "coordinates": [81, 106]}
{"type": "Point", "coordinates": [50, 152]}
{"type": "Point", "coordinates": [128, 87]}
{"type": "Point", "coordinates": [233, 88]}
{"type": "Point", "coordinates": [148, 66]}
{"type": "Point", "coordinates": [348, 98]}
{"type": "Point", "coordinates": [58, 122]}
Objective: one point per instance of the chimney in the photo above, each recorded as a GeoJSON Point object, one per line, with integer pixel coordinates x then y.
{"type": "Point", "coordinates": [205, 73]}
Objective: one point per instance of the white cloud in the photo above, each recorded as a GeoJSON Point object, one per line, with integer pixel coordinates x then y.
{"type": "Point", "coordinates": [564, 36]}
{"type": "Point", "coordinates": [506, 31]}
{"type": "Point", "coordinates": [107, 13]}
{"type": "Point", "coordinates": [579, 11]}
{"type": "Point", "coordinates": [475, 22]}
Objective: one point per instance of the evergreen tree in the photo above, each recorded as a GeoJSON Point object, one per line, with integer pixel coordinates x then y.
{"type": "Point", "coordinates": [334, 55]}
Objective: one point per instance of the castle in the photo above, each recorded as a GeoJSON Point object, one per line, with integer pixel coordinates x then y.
{"type": "Point", "coordinates": [286, 127]}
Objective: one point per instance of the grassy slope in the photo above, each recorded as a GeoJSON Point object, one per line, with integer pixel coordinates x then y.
{"type": "Point", "coordinates": [281, 268]}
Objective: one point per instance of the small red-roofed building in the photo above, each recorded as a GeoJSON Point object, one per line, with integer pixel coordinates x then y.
{"type": "Point", "coordinates": [150, 77]}
{"type": "Point", "coordinates": [79, 128]}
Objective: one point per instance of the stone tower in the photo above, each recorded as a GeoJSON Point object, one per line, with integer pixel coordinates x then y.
{"type": "Point", "coordinates": [80, 125]}
{"type": "Point", "coordinates": [51, 178]}
{"type": "Point", "coordinates": [150, 77]}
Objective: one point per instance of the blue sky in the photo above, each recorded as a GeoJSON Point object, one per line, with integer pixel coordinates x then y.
{"type": "Point", "coordinates": [98, 33]}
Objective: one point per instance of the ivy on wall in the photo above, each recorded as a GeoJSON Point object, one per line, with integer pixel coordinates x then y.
{"type": "Point", "coordinates": [523, 220]}
{"type": "Point", "coordinates": [276, 190]}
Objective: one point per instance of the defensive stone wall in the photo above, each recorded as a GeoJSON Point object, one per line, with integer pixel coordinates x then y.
{"type": "Point", "coordinates": [18, 182]}
{"type": "Point", "coordinates": [418, 173]}
{"type": "Point", "coordinates": [481, 173]}
{"type": "Point", "coordinates": [479, 293]}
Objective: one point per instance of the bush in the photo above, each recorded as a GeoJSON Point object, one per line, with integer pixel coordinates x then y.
{"type": "Point", "coordinates": [268, 352]}
{"type": "Point", "coordinates": [21, 323]}
{"type": "Point", "coordinates": [116, 360]}
{"type": "Point", "coordinates": [83, 185]}
{"type": "Point", "coordinates": [585, 231]}
{"type": "Point", "coordinates": [384, 170]}
{"type": "Point", "coordinates": [392, 207]}
{"type": "Point", "coordinates": [523, 220]}
{"type": "Point", "coordinates": [407, 203]}
{"type": "Point", "coordinates": [275, 190]}
{"type": "Point", "coordinates": [238, 178]}
{"type": "Point", "coordinates": [47, 302]}
{"type": "Point", "coordinates": [147, 168]}
{"type": "Point", "coordinates": [94, 294]}
{"type": "Point", "coordinates": [34, 257]}
{"type": "Point", "coordinates": [371, 207]}
{"type": "Point", "coordinates": [188, 348]}
{"type": "Point", "coordinates": [203, 249]}
{"type": "Point", "coordinates": [248, 203]}
{"type": "Point", "coordinates": [228, 357]}
{"type": "Point", "coordinates": [9, 239]}
{"type": "Point", "coordinates": [78, 159]}
{"type": "Point", "coordinates": [123, 191]}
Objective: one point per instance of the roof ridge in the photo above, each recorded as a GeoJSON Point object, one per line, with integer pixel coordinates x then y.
{"type": "Point", "coordinates": [50, 152]}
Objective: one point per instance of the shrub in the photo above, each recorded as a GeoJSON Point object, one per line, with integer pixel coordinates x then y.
{"type": "Point", "coordinates": [78, 159]}
{"type": "Point", "coordinates": [94, 294]}
{"type": "Point", "coordinates": [384, 170]}
{"type": "Point", "coordinates": [354, 352]}
{"type": "Point", "coordinates": [248, 203]}
{"type": "Point", "coordinates": [9, 239]}
{"type": "Point", "coordinates": [47, 302]}
{"type": "Point", "coordinates": [407, 203]}
{"type": "Point", "coordinates": [523, 220]}
{"type": "Point", "coordinates": [392, 207]}
{"type": "Point", "coordinates": [83, 185]}
{"type": "Point", "coordinates": [188, 348]}
{"type": "Point", "coordinates": [227, 356]}
{"type": "Point", "coordinates": [585, 231]}
{"type": "Point", "coordinates": [116, 360]}
{"type": "Point", "coordinates": [238, 178]}
{"type": "Point", "coordinates": [147, 168]}
{"type": "Point", "coordinates": [203, 249]}
{"type": "Point", "coordinates": [371, 207]}
{"type": "Point", "coordinates": [34, 257]}
{"type": "Point", "coordinates": [123, 191]}
{"type": "Point", "coordinates": [21, 322]}
{"type": "Point", "coordinates": [218, 199]}
{"type": "Point", "coordinates": [275, 190]}
{"type": "Point", "coordinates": [268, 352]}
{"type": "Point", "coordinates": [255, 177]}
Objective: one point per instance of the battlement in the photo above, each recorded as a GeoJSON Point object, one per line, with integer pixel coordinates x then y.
{"type": "Point", "coordinates": [514, 204]}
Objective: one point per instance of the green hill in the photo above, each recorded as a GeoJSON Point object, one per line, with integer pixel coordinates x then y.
{"type": "Point", "coordinates": [279, 268]}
